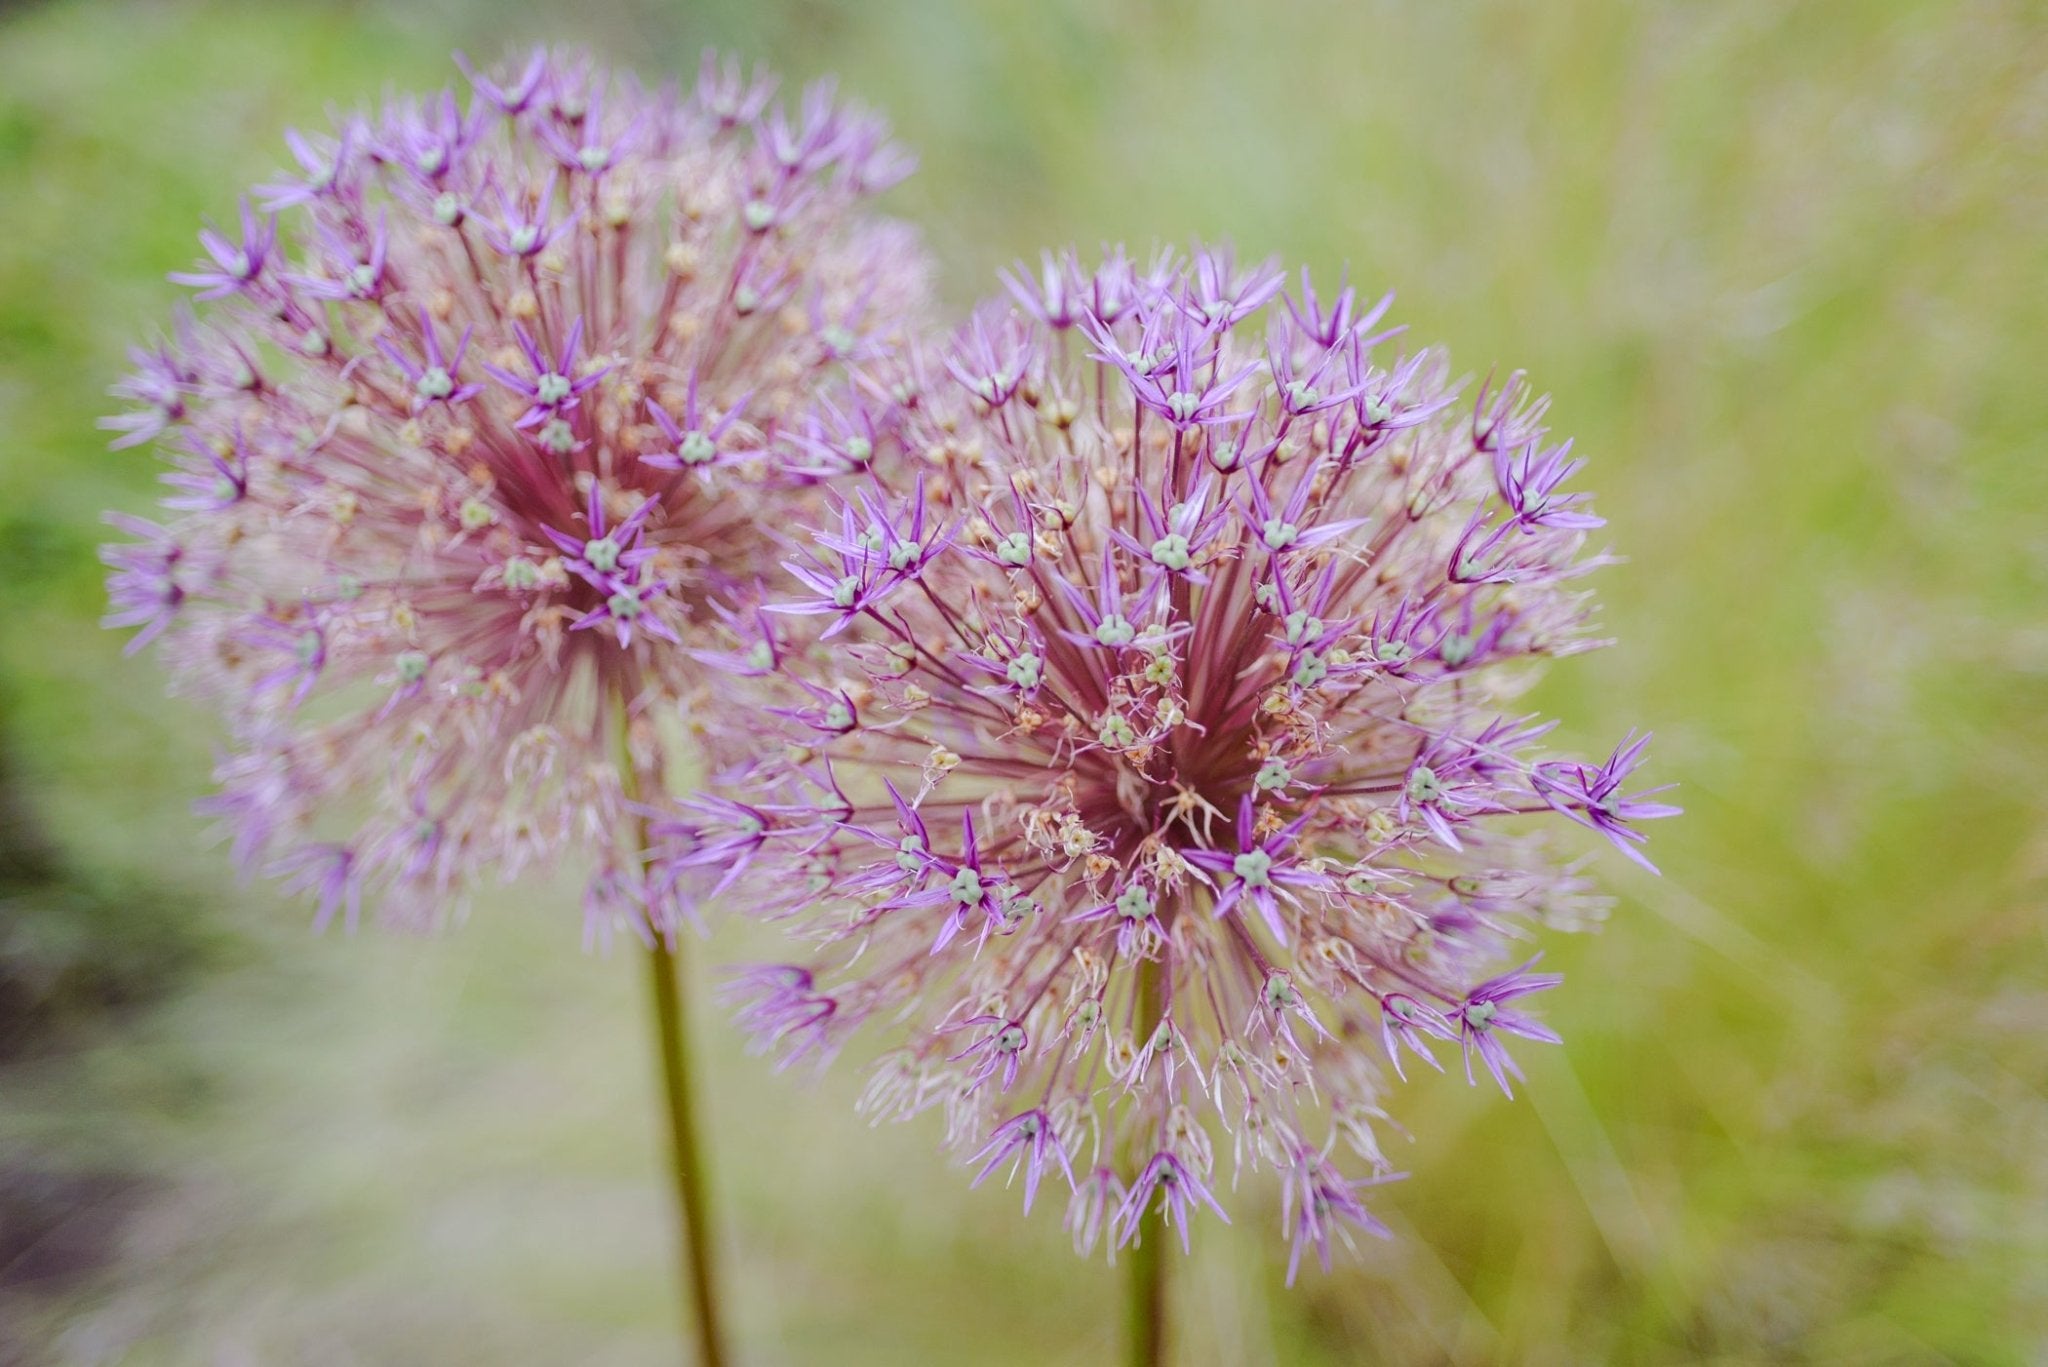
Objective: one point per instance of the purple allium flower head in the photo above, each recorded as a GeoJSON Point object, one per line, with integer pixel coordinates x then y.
{"type": "Point", "coordinates": [1181, 790]}
{"type": "Point", "coordinates": [481, 433]}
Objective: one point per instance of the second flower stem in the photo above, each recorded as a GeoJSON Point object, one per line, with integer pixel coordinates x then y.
{"type": "Point", "coordinates": [1145, 1287]}
{"type": "Point", "coordinates": [692, 1190]}
{"type": "Point", "coordinates": [668, 965]}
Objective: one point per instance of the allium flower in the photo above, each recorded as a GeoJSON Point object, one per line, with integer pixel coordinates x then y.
{"type": "Point", "coordinates": [479, 415]}
{"type": "Point", "coordinates": [1160, 774]}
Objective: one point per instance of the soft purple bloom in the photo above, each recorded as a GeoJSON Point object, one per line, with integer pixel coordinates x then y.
{"type": "Point", "coordinates": [1456, 779]}
{"type": "Point", "coordinates": [434, 377]}
{"type": "Point", "coordinates": [589, 149]}
{"type": "Point", "coordinates": [522, 228]}
{"type": "Point", "coordinates": [996, 1050]}
{"type": "Point", "coordinates": [604, 552]}
{"type": "Point", "coordinates": [1143, 755]}
{"type": "Point", "coordinates": [1027, 1141]}
{"type": "Point", "coordinates": [1225, 296]}
{"type": "Point", "coordinates": [816, 137]}
{"type": "Point", "coordinates": [1054, 297]}
{"type": "Point", "coordinates": [236, 264]}
{"type": "Point", "coordinates": [713, 833]}
{"type": "Point", "coordinates": [628, 606]}
{"type": "Point", "coordinates": [1330, 326]}
{"type": "Point", "coordinates": [757, 648]}
{"type": "Point", "coordinates": [1288, 528]}
{"type": "Point", "coordinates": [432, 138]}
{"type": "Point", "coordinates": [1175, 369]}
{"type": "Point", "coordinates": [835, 439]}
{"type": "Point", "coordinates": [143, 590]}
{"type": "Point", "coordinates": [554, 387]}
{"type": "Point", "coordinates": [1591, 795]}
{"type": "Point", "coordinates": [450, 617]}
{"type": "Point", "coordinates": [832, 711]}
{"type": "Point", "coordinates": [1308, 383]}
{"type": "Point", "coordinates": [1092, 1212]}
{"type": "Point", "coordinates": [1529, 481]}
{"type": "Point", "coordinates": [161, 382]}
{"type": "Point", "coordinates": [300, 649]}
{"type": "Point", "coordinates": [1134, 911]}
{"type": "Point", "coordinates": [217, 485]}
{"type": "Point", "coordinates": [991, 357]}
{"type": "Point", "coordinates": [781, 1008]}
{"type": "Point", "coordinates": [513, 97]}
{"type": "Point", "coordinates": [868, 558]}
{"type": "Point", "coordinates": [1482, 1021]}
{"type": "Point", "coordinates": [323, 161]}
{"type": "Point", "coordinates": [1174, 541]}
{"type": "Point", "coordinates": [1261, 871]}
{"type": "Point", "coordinates": [329, 873]}
{"type": "Point", "coordinates": [1317, 1201]}
{"type": "Point", "coordinates": [1179, 1191]}
{"type": "Point", "coordinates": [352, 266]}
{"type": "Point", "coordinates": [692, 444]}
{"type": "Point", "coordinates": [613, 561]}
{"type": "Point", "coordinates": [726, 93]}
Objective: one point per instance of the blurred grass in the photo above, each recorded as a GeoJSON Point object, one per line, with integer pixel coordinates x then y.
{"type": "Point", "coordinates": [1785, 271]}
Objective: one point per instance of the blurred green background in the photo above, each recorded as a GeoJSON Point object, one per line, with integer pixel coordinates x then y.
{"type": "Point", "coordinates": [1785, 268]}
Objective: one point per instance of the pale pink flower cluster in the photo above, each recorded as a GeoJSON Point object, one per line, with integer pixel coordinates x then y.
{"type": "Point", "coordinates": [475, 433]}
{"type": "Point", "coordinates": [1158, 786]}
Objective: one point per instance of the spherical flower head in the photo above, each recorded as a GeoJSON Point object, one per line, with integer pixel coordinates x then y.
{"type": "Point", "coordinates": [474, 447]}
{"type": "Point", "coordinates": [1179, 797]}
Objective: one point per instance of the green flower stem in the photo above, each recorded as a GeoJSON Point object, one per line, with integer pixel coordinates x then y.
{"type": "Point", "coordinates": [668, 968]}
{"type": "Point", "coordinates": [1145, 1285]}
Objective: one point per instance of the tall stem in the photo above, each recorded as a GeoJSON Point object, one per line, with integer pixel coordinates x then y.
{"type": "Point", "coordinates": [1145, 1287]}
{"type": "Point", "coordinates": [668, 966]}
